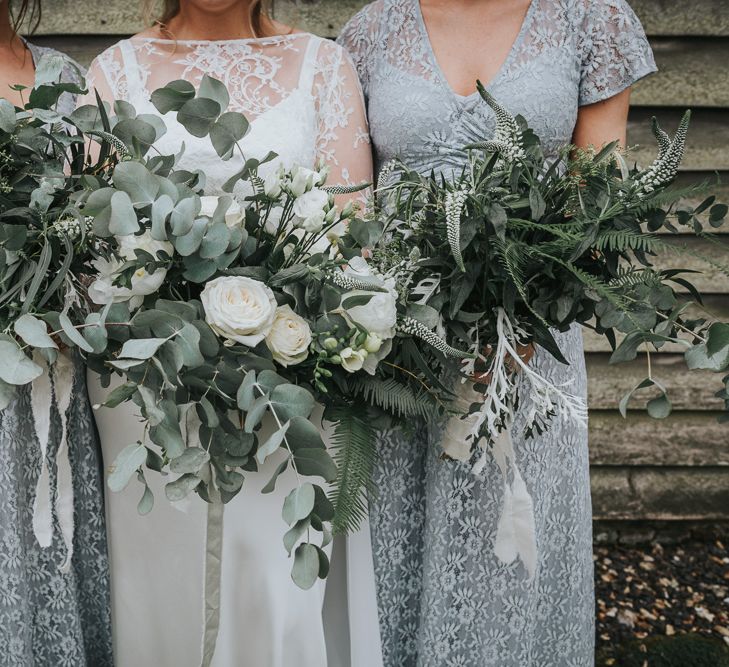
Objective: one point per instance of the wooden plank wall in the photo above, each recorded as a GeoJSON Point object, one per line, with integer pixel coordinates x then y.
{"type": "Point", "coordinates": [677, 469]}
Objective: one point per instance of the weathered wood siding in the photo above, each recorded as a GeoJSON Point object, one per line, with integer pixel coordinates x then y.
{"type": "Point", "coordinates": [642, 469]}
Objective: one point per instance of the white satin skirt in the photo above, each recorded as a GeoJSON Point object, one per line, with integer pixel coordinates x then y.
{"type": "Point", "coordinates": [162, 603]}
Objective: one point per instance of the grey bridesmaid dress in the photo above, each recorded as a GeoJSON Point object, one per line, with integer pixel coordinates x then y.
{"type": "Point", "coordinates": [49, 618]}
{"type": "Point", "coordinates": [444, 598]}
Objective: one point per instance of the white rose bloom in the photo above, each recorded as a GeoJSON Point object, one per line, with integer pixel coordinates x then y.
{"type": "Point", "coordinates": [289, 338]}
{"type": "Point", "coordinates": [379, 315]}
{"type": "Point", "coordinates": [352, 360]}
{"type": "Point", "coordinates": [103, 291]}
{"type": "Point", "coordinates": [239, 309]}
{"type": "Point", "coordinates": [234, 216]}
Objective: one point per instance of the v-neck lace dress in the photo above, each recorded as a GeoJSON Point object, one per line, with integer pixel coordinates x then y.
{"type": "Point", "coordinates": [303, 100]}
{"type": "Point", "coordinates": [50, 617]}
{"type": "Point", "coordinates": [444, 598]}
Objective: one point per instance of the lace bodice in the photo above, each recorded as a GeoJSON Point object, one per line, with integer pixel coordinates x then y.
{"type": "Point", "coordinates": [299, 92]}
{"type": "Point", "coordinates": [569, 53]}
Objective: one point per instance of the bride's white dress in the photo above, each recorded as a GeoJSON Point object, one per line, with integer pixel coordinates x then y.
{"type": "Point", "coordinates": [303, 100]}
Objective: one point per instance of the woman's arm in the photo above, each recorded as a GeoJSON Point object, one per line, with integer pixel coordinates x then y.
{"type": "Point", "coordinates": [343, 140]}
{"type": "Point", "coordinates": [603, 122]}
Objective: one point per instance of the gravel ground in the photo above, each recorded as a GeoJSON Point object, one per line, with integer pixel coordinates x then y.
{"type": "Point", "coordinates": [660, 591]}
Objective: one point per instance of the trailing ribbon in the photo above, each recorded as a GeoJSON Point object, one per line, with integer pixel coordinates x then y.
{"type": "Point", "coordinates": [55, 384]}
{"type": "Point", "coordinates": [516, 531]}
{"type": "Point", "coordinates": [213, 557]}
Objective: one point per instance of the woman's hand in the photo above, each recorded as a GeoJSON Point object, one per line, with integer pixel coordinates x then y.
{"type": "Point", "coordinates": [526, 352]}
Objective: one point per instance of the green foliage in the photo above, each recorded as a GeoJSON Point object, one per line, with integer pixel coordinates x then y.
{"type": "Point", "coordinates": [354, 444]}
{"type": "Point", "coordinates": [678, 651]}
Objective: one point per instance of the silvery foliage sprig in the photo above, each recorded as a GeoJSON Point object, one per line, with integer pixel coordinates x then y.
{"type": "Point", "coordinates": [518, 246]}
{"type": "Point", "coordinates": [45, 240]}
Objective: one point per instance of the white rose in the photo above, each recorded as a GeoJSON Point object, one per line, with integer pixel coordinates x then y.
{"type": "Point", "coordinates": [289, 338]}
{"type": "Point", "coordinates": [103, 290]}
{"type": "Point", "coordinates": [234, 216]}
{"type": "Point", "coordinates": [311, 209]}
{"type": "Point", "coordinates": [352, 360]}
{"type": "Point", "coordinates": [239, 309]}
{"type": "Point", "coordinates": [379, 315]}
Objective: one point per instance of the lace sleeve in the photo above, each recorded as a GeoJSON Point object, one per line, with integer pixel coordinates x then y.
{"type": "Point", "coordinates": [359, 38]}
{"type": "Point", "coordinates": [106, 76]}
{"type": "Point", "coordinates": [615, 51]}
{"type": "Point", "coordinates": [343, 140]}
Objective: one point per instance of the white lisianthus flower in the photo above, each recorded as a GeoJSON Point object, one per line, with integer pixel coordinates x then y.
{"type": "Point", "coordinates": [352, 360]}
{"type": "Point", "coordinates": [273, 219]}
{"type": "Point", "coordinates": [379, 315]}
{"type": "Point", "coordinates": [330, 239]}
{"type": "Point", "coordinates": [234, 216]}
{"type": "Point", "coordinates": [239, 309]}
{"type": "Point", "coordinates": [311, 209]}
{"type": "Point", "coordinates": [272, 184]}
{"type": "Point", "coordinates": [103, 290]}
{"type": "Point", "coordinates": [372, 343]}
{"type": "Point", "coordinates": [303, 180]}
{"type": "Point", "coordinates": [289, 338]}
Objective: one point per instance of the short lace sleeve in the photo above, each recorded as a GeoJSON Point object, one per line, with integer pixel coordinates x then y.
{"type": "Point", "coordinates": [343, 140]}
{"type": "Point", "coordinates": [615, 51]}
{"type": "Point", "coordinates": [106, 76]}
{"type": "Point", "coordinates": [359, 38]}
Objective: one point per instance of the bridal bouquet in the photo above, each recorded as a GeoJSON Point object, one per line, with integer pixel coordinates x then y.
{"type": "Point", "coordinates": [232, 319]}
{"type": "Point", "coordinates": [518, 246]}
{"type": "Point", "coordinates": [44, 237]}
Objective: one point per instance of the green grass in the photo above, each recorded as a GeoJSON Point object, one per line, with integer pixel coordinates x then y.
{"type": "Point", "coordinates": [679, 651]}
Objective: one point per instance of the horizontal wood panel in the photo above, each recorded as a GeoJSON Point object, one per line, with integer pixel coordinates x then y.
{"type": "Point", "coordinates": [683, 439]}
{"type": "Point", "coordinates": [690, 73]}
{"type": "Point", "coordinates": [660, 494]}
{"type": "Point", "coordinates": [326, 17]}
{"type": "Point", "coordinates": [707, 142]}
{"type": "Point", "coordinates": [689, 390]}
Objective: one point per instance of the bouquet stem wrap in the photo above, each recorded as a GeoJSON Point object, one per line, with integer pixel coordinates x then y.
{"type": "Point", "coordinates": [56, 382]}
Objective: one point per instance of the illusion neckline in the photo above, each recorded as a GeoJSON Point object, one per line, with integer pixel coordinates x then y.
{"type": "Point", "coordinates": [238, 40]}
{"type": "Point", "coordinates": [501, 71]}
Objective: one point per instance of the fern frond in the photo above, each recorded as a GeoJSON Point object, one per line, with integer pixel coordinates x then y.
{"type": "Point", "coordinates": [624, 240]}
{"type": "Point", "coordinates": [393, 397]}
{"type": "Point", "coordinates": [354, 448]}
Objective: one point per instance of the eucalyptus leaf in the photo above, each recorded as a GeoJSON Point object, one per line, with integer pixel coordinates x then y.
{"type": "Point", "coordinates": [290, 400]}
{"type": "Point", "coordinates": [125, 466]}
{"type": "Point", "coordinates": [272, 444]}
{"type": "Point", "coordinates": [15, 367]}
{"type": "Point", "coordinates": [34, 332]}
{"type": "Point", "coordinates": [190, 461]}
{"type": "Point", "coordinates": [144, 348]}
{"type": "Point", "coordinates": [123, 219]}
{"type": "Point", "coordinates": [305, 571]}
{"type": "Point", "coordinates": [294, 534]}
{"type": "Point", "coordinates": [198, 115]}
{"type": "Point", "coordinates": [299, 504]}
{"type": "Point", "coordinates": [181, 488]}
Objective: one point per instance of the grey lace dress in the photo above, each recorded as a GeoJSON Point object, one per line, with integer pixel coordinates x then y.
{"type": "Point", "coordinates": [48, 618]}
{"type": "Point", "coordinates": [444, 598]}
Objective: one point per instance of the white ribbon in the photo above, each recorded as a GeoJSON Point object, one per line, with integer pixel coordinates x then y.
{"type": "Point", "coordinates": [213, 557]}
{"type": "Point", "coordinates": [41, 400]}
{"type": "Point", "coordinates": [516, 531]}
{"type": "Point", "coordinates": [58, 380]}
{"type": "Point", "coordinates": [213, 566]}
